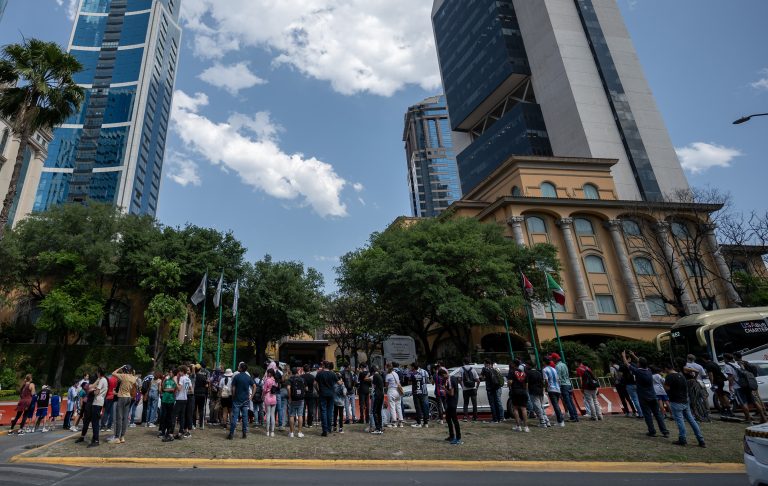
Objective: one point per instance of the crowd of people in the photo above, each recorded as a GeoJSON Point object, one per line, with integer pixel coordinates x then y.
{"type": "Point", "coordinates": [292, 399]}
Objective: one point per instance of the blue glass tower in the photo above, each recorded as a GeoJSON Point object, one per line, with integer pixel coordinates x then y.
{"type": "Point", "coordinates": [433, 178]}
{"type": "Point", "coordinates": [112, 150]}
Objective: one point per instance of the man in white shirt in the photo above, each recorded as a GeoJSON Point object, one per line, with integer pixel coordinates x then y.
{"type": "Point", "coordinates": [99, 392]}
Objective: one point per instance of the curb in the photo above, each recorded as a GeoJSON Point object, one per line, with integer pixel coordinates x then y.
{"type": "Point", "coordinates": [414, 465]}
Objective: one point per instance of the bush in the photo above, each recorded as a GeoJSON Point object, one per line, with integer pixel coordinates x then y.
{"type": "Point", "coordinates": [613, 348]}
{"type": "Point", "coordinates": [574, 350]}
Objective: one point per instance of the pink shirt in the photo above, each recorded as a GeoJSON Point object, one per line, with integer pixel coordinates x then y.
{"type": "Point", "coordinates": [269, 398]}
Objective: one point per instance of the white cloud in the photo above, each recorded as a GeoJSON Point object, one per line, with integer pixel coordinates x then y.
{"type": "Point", "coordinates": [761, 83]}
{"type": "Point", "coordinates": [359, 46]}
{"type": "Point", "coordinates": [71, 8]}
{"type": "Point", "coordinates": [700, 156]}
{"type": "Point", "coordinates": [358, 187]}
{"type": "Point", "coordinates": [232, 78]}
{"type": "Point", "coordinates": [182, 170]}
{"type": "Point", "coordinates": [322, 258]}
{"type": "Point", "coordinates": [248, 146]}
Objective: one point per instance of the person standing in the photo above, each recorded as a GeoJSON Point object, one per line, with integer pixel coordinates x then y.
{"type": "Point", "coordinates": [649, 405]}
{"type": "Point", "coordinates": [110, 403]}
{"type": "Point", "coordinates": [717, 381]}
{"type": "Point", "coordinates": [470, 381]}
{"type": "Point", "coordinates": [566, 389]}
{"type": "Point", "coordinates": [125, 395]}
{"type": "Point", "coordinates": [202, 387]}
{"type": "Point", "coordinates": [757, 400]}
{"type": "Point", "coordinates": [225, 397]}
{"type": "Point", "coordinates": [297, 393]}
{"type": "Point", "coordinates": [621, 389]}
{"type": "Point", "coordinates": [518, 395]}
{"type": "Point", "coordinates": [394, 394]}
{"type": "Point", "coordinates": [630, 384]}
{"type": "Point", "coordinates": [553, 391]}
{"type": "Point", "coordinates": [270, 401]}
{"type": "Point", "coordinates": [43, 400]}
{"type": "Point", "coordinates": [536, 394]}
{"type": "Point", "coordinates": [676, 387]}
{"type": "Point", "coordinates": [241, 397]}
{"type": "Point", "coordinates": [493, 386]}
{"type": "Point", "coordinates": [72, 399]}
{"type": "Point", "coordinates": [589, 386]}
{"type": "Point", "coordinates": [98, 391]}
{"type": "Point", "coordinates": [738, 386]}
{"type": "Point", "coordinates": [311, 400]}
{"type": "Point", "coordinates": [258, 400]}
{"type": "Point", "coordinates": [451, 387]}
{"type": "Point", "coordinates": [364, 393]}
{"type": "Point", "coordinates": [326, 384]}
{"type": "Point", "coordinates": [350, 383]}
{"type": "Point", "coordinates": [167, 403]}
{"type": "Point", "coordinates": [339, 399]}
{"type": "Point", "coordinates": [378, 399]}
{"type": "Point", "coordinates": [25, 400]}
{"type": "Point", "coordinates": [419, 381]}
{"type": "Point", "coordinates": [183, 385]}
{"type": "Point", "coordinates": [153, 397]}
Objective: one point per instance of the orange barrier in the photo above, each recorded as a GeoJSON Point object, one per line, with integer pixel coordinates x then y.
{"type": "Point", "coordinates": [8, 411]}
{"type": "Point", "coordinates": [608, 399]}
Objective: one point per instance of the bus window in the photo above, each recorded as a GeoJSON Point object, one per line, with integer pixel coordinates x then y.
{"type": "Point", "coordinates": [740, 336]}
{"type": "Point", "coordinates": [684, 342]}
{"type": "Point", "coordinates": [762, 368]}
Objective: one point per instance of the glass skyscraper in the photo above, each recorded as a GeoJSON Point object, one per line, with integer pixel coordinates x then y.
{"type": "Point", "coordinates": [112, 150]}
{"type": "Point", "coordinates": [544, 78]}
{"type": "Point", "coordinates": [433, 178]}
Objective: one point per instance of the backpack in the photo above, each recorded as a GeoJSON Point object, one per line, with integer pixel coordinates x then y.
{"type": "Point", "coordinates": [588, 381]}
{"type": "Point", "coordinates": [467, 379]}
{"type": "Point", "coordinates": [258, 392]}
{"type": "Point", "coordinates": [497, 379]}
{"type": "Point", "coordinates": [145, 384]}
{"type": "Point", "coordinates": [298, 389]}
{"type": "Point", "coordinates": [226, 390]}
{"type": "Point", "coordinates": [745, 379]}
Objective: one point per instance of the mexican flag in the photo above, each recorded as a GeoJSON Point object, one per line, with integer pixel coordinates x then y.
{"type": "Point", "coordinates": [557, 292]}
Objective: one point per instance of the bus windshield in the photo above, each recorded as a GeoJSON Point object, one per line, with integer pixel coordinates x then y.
{"type": "Point", "coordinates": [742, 337]}
{"type": "Point", "coordinates": [684, 342]}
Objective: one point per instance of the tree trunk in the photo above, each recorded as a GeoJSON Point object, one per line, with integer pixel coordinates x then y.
{"type": "Point", "coordinates": [13, 184]}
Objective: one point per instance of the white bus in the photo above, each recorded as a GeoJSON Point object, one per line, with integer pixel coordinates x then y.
{"type": "Point", "coordinates": [714, 333]}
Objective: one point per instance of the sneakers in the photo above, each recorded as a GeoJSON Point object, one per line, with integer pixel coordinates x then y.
{"type": "Point", "coordinates": [93, 444]}
{"type": "Point", "coordinates": [400, 425]}
{"type": "Point", "coordinates": [526, 429]}
{"type": "Point", "coordinates": [300, 435]}
{"type": "Point", "coordinates": [73, 429]}
{"type": "Point", "coordinates": [377, 432]}
{"type": "Point", "coordinates": [168, 438]}
{"type": "Point", "coordinates": [80, 439]}
{"type": "Point", "coordinates": [151, 425]}
{"type": "Point", "coordinates": [45, 429]}
{"type": "Point", "coordinates": [122, 440]}
{"type": "Point", "coordinates": [416, 426]}
{"type": "Point", "coordinates": [113, 440]}
{"type": "Point", "coordinates": [561, 424]}
{"type": "Point", "coordinates": [341, 431]}
{"type": "Point", "coordinates": [230, 437]}
{"type": "Point", "coordinates": [702, 444]}
{"type": "Point", "coordinates": [517, 428]}
{"type": "Point", "coordinates": [456, 442]}
{"type": "Point", "coordinates": [426, 426]}
{"type": "Point", "coordinates": [290, 435]}
{"type": "Point", "coordinates": [272, 434]}
{"type": "Point", "coordinates": [680, 443]}
{"type": "Point", "coordinates": [132, 426]}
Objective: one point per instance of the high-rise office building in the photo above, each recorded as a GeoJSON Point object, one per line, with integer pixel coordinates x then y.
{"type": "Point", "coordinates": [112, 150]}
{"type": "Point", "coordinates": [433, 178]}
{"type": "Point", "coordinates": [550, 77]}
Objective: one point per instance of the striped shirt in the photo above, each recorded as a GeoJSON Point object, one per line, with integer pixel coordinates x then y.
{"type": "Point", "coordinates": [553, 385]}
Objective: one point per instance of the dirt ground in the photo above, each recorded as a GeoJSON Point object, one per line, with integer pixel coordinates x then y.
{"type": "Point", "coordinates": [614, 439]}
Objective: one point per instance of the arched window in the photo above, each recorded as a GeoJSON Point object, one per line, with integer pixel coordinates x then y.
{"type": "Point", "coordinates": [583, 226]}
{"type": "Point", "coordinates": [548, 189]}
{"type": "Point", "coordinates": [680, 230]}
{"type": "Point", "coordinates": [535, 224]}
{"type": "Point", "coordinates": [631, 228]}
{"type": "Point", "coordinates": [4, 141]}
{"type": "Point", "coordinates": [594, 264]}
{"type": "Point", "coordinates": [591, 192]}
{"type": "Point", "coordinates": [516, 191]}
{"type": "Point", "coordinates": [643, 266]}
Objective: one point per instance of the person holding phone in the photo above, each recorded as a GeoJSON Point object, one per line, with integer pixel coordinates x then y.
{"type": "Point", "coordinates": [450, 386]}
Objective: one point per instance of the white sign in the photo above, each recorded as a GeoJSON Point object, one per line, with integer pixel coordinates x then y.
{"type": "Point", "coordinates": [401, 349]}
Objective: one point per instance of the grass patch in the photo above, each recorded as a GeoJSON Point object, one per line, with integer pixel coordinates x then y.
{"type": "Point", "coordinates": [614, 439]}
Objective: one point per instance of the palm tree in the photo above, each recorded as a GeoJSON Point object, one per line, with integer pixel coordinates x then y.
{"type": "Point", "coordinates": [38, 92]}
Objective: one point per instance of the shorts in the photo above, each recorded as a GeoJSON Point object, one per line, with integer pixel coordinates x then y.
{"type": "Point", "coordinates": [226, 403]}
{"type": "Point", "coordinates": [519, 399]}
{"type": "Point", "coordinates": [744, 397]}
{"type": "Point", "coordinates": [42, 412]}
{"type": "Point", "coordinates": [54, 412]}
{"type": "Point", "coordinates": [296, 409]}
{"type": "Point", "coordinates": [663, 398]}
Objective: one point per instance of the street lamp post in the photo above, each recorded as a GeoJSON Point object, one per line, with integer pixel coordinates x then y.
{"type": "Point", "coordinates": [745, 119]}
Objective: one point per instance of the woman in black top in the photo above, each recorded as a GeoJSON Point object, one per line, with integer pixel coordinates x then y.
{"type": "Point", "coordinates": [451, 387]}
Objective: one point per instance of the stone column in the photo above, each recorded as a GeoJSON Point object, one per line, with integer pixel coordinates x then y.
{"type": "Point", "coordinates": [636, 306]}
{"type": "Point", "coordinates": [662, 234]}
{"type": "Point", "coordinates": [725, 273]}
{"type": "Point", "coordinates": [516, 222]}
{"type": "Point", "coordinates": [585, 307]}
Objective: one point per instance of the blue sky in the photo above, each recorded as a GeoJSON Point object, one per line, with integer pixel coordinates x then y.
{"type": "Point", "coordinates": [288, 121]}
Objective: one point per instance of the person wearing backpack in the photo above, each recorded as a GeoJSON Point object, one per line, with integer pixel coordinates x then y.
{"type": "Point", "coordinates": [747, 366]}
{"type": "Point", "coordinates": [297, 393]}
{"type": "Point", "coordinates": [589, 386]}
{"type": "Point", "coordinates": [493, 386]}
{"type": "Point", "coordinates": [739, 381]}
{"type": "Point", "coordinates": [201, 394]}
{"type": "Point", "coordinates": [225, 396]}
{"type": "Point", "coordinates": [419, 380]}
{"type": "Point", "coordinates": [258, 400]}
{"type": "Point", "coordinates": [722, 399]}
{"type": "Point", "coordinates": [470, 381]}
{"type": "Point", "coordinates": [518, 394]}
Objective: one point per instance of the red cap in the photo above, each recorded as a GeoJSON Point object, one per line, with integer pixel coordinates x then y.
{"type": "Point", "coordinates": [555, 356]}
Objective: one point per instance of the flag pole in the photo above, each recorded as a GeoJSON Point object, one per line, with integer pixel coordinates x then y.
{"type": "Point", "coordinates": [234, 349]}
{"type": "Point", "coordinates": [557, 332]}
{"type": "Point", "coordinates": [218, 348]}
{"type": "Point", "coordinates": [533, 334]}
{"type": "Point", "coordinates": [202, 334]}
{"type": "Point", "coordinates": [509, 339]}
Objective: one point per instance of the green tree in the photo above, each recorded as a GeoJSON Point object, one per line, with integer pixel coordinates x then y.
{"type": "Point", "coordinates": [753, 289]}
{"type": "Point", "coordinates": [40, 93]}
{"type": "Point", "coordinates": [356, 323]}
{"type": "Point", "coordinates": [278, 299]}
{"type": "Point", "coordinates": [442, 277]}
{"type": "Point", "coordinates": [166, 312]}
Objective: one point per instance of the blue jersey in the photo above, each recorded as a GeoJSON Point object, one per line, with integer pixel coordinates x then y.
{"type": "Point", "coordinates": [553, 385]}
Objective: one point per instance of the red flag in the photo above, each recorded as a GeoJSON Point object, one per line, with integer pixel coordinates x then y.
{"type": "Point", "coordinates": [527, 286]}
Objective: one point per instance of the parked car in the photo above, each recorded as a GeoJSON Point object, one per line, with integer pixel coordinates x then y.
{"type": "Point", "coordinates": [482, 397]}
{"type": "Point", "coordinates": [756, 454]}
{"type": "Point", "coordinates": [762, 381]}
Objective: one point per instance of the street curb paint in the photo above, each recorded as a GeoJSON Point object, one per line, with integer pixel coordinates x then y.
{"type": "Point", "coordinates": [413, 465]}
{"type": "Point", "coordinates": [21, 456]}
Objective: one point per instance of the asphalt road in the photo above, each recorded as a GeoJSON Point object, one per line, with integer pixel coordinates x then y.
{"type": "Point", "coordinates": [22, 474]}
